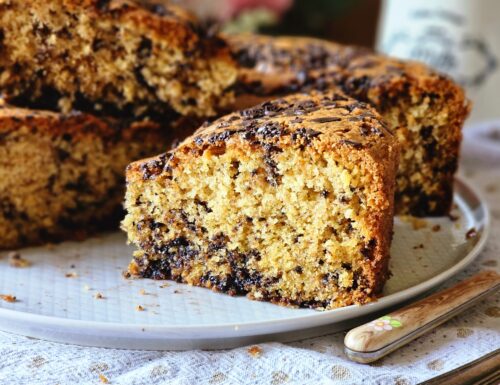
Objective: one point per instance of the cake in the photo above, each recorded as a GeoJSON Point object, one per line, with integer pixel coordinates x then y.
{"type": "Point", "coordinates": [276, 66]}
{"type": "Point", "coordinates": [62, 175]}
{"type": "Point", "coordinates": [425, 109]}
{"type": "Point", "coordinates": [290, 201]}
{"type": "Point", "coordinates": [112, 57]}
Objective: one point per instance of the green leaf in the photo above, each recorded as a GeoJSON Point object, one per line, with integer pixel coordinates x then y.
{"type": "Point", "coordinates": [385, 318]}
{"type": "Point", "coordinates": [395, 323]}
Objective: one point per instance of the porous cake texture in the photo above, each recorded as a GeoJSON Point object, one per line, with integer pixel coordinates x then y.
{"type": "Point", "coordinates": [62, 175]}
{"type": "Point", "coordinates": [290, 201]}
{"type": "Point", "coordinates": [425, 109]}
{"type": "Point", "coordinates": [121, 57]}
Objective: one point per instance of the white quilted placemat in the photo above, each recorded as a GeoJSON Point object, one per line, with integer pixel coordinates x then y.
{"type": "Point", "coordinates": [314, 361]}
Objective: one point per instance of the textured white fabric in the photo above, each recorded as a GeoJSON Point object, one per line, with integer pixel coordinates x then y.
{"type": "Point", "coordinates": [314, 361]}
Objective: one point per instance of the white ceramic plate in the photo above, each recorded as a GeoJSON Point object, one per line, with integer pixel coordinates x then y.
{"type": "Point", "coordinates": [57, 294]}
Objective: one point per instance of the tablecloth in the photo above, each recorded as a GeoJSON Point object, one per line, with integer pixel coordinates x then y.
{"type": "Point", "coordinates": [471, 335]}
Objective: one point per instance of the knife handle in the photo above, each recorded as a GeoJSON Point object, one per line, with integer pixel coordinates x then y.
{"type": "Point", "coordinates": [374, 340]}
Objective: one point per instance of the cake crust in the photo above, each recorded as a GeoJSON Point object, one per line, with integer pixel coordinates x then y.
{"type": "Point", "coordinates": [211, 231]}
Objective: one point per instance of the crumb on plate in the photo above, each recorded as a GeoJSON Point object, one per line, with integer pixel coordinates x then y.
{"type": "Point", "coordinates": [15, 260]}
{"type": "Point", "coordinates": [255, 351]}
{"type": "Point", "coordinates": [417, 223]}
{"type": "Point", "coordinates": [471, 233]}
{"type": "Point", "coordinates": [8, 298]}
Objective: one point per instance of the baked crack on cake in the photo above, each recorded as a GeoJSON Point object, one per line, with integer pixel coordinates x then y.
{"type": "Point", "coordinates": [62, 175]}
{"type": "Point", "coordinates": [120, 56]}
{"type": "Point", "coordinates": [290, 201]}
{"type": "Point", "coordinates": [425, 109]}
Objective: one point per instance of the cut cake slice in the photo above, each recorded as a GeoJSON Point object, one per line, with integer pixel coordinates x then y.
{"type": "Point", "coordinates": [290, 201]}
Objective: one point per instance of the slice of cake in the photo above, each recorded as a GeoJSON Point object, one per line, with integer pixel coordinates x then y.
{"type": "Point", "coordinates": [290, 201]}
{"type": "Point", "coordinates": [62, 176]}
{"type": "Point", "coordinates": [425, 109]}
{"type": "Point", "coordinates": [114, 56]}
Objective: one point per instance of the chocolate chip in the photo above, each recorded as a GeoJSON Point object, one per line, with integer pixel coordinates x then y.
{"type": "Point", "coordinates": [157, 9]}
{"type": "Point", "coordinates": [145, 47]}
{"type": "Point", "coordinates": [352, 143]}
{"type": "Point", "coordinates": [369, 249]}
{"type": "Point", "coordinates": [426, 132]}
{"type": "Point", "coordinates": [102, 5]}
{"type": "Point", "coordinates": [326, 119]}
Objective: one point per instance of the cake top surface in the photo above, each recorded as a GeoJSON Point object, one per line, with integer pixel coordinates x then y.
{"type": "Point", "coordinates": [323, 119]}
{"type": "Point", "coordinates": [160, 20]}
{"type": "Point", "coordinates": [330, 114]}
{"type": "Point", "coordinates": [77, 124]}
{"type": "Point", "coordinates": [269, 54]}
{"type": "Point", "coordinates": [298, 63]}
{"type": "Point", "coordinates": [165, 20]}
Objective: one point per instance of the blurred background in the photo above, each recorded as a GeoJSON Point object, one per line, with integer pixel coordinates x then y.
{"type": "Point", "coordinates": [458, 37]}
{"type": "Point", "coordinates": [347, 21]}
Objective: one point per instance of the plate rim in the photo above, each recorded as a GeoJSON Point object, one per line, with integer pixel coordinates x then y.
{"type": "Point", "coordinates": [265, 327]}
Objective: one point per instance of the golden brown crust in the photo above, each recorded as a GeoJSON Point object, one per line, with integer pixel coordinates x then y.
{"type": "Point", "coordinates": [61, 176]}
{"type": "Point", "coordinates": [309, 126]}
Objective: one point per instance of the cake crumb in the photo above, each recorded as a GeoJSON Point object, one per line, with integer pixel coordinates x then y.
{"type": "Point", "coordinates": [255, 351]}
{"type": "Point", "coordinates": [15, 260]}
{"type": "Point", "coordinates": [420, 246]}
{"type": "Point", "coordinates": [164, 285]}
{"type": "Point", "coordinates": [103, 378]}
{"type": "Point", "coordinates": [98, 296]}
{"type": "Point", "coordinates": [453, 217]}
{"type": "Point", "coordinates": [139, 308]}
{"type": "Point", "coordinates": [86, 287]}
{"type": "Point", "coordinates": [436, 228]}
{"type": "Point", "coordinates": [491, 188]}
{"type": "Point", "coordinates": [71, 274]}
{"type": "Point", "coordinates": [416, 223]}
{"type": "Point", "coordinates": [8, 298]}
{"type": "Point", "coordinates": [471, 233]}
{"type": "Point", "coordinates": [142, 292]}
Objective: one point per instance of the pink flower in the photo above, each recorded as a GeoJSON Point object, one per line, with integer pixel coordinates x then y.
{"type": "Point", "coordinates": [226, 9]}
{"type": "Point", "coordinates": [233, 7]}
{"type": "Point", "coordinates": [385, 323]}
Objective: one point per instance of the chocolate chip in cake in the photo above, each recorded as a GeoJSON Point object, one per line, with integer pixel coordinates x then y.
{"type": "Point", "coordinates": [352, 143]}
{"type": "Point", "coordinates": [426, 132]}
{"type": "Point", "coordinates": [326, 119]}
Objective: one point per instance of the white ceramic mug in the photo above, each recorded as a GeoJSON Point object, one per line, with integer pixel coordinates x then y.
{"type": "Point", "coordinates": [458, 37]}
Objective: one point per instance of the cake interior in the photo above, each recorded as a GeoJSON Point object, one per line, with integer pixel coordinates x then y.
{"type": "Point", "coordinates": [429, 130]}
{"type": "Point", "coordinates": [64, 183]}
{"type": "Point", "coordinates": [293, 226]}
{"type": "Point", "coordinates": [92, 61]}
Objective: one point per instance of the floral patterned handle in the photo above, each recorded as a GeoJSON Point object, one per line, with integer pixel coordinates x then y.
{"type": "Point", "coordinates": [371, 341]}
